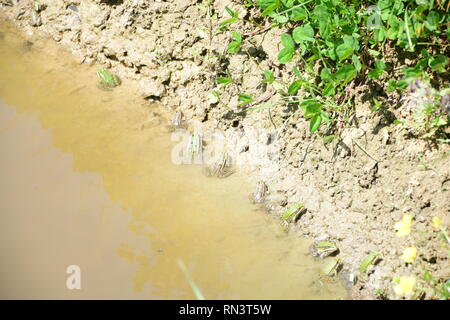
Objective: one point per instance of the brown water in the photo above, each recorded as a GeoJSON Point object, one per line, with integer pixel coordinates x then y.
{"type": "Point", "coordinates": [87, 180]}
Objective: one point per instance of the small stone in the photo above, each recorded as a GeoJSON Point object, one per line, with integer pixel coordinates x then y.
{"type": "Point", "coordinates": [348, 278]}
{"type": "Point", "coordinates": [151, 88]}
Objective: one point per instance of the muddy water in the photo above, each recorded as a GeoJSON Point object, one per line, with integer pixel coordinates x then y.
{"type": "Point", "coordinates": [87, 179]}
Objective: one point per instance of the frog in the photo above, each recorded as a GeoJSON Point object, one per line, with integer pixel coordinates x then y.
{"type": "Point", "coordinates": [107, 80]}
{"type": "Point", "coordinates": [35, 19]}
{"type": "Point", "coordinates": [322, 249]}
{"type": "Point", "coordinates": [259, 196]}
{"type": "Point", "coordinates": [177, 121]}
{"type": "Point", "coordinates": [331, 270]}
{"type": "Point", "coordinates": [222, 167]}
{"type": "Point", "coordinates": [293, 213]}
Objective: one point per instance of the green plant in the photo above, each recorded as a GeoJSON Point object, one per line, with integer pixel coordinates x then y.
{"type": "Point", "coordinates": [441, 289]}
{"type": "Point", "coordinates": [245, 99]}
{"type": "Point", "coordinates": [235, 46]}
{"type": "Point", "coordinates": [194, 287]}
{"type": "Point", "coordinates": [345, 40]}
{"type": "Point", "coordinates": [224, 81]}
{"type": "Point", "coordinates": [234, 17]}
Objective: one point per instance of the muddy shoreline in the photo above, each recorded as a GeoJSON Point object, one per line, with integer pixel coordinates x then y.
{"type": "Point", "coordinates": [354, 189]}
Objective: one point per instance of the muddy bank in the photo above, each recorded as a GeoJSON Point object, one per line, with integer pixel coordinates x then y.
{"type": "Point", "coordinates": [354, 188]}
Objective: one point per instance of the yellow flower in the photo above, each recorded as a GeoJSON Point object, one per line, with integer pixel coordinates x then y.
{"type": "Point", "coordinates": [405, 286]}
{"type": "Point", "coordinates": [409, 254]}
{"type": "Point", "coordinates": [437, 222]}
{"type": "Point", "coordinates": [403, 226]}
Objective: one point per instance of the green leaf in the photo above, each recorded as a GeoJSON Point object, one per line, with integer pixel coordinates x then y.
{"type": "Point", "coordinates": [264, 4]}
{"type": "Point", "coordinates": [245, 99]}
{"type": "Point", "coordinates": [298, 14]}
{"type": "Point", "coordinates": [347, 46]}
{"type": "Point", "coordinates": [235, 46]}
{"type": "Point", "coordinates": [392, 85]}
{"type": "Point", "coordinates": [427, 276]}
{"type": "Point", "coordinates": [438, 122]}
{"type": "Point", "coordinates": [294, 87]}
{"type": "Point", "coordinates": [326, 75]}
{"type": "Point", "coordinates": [329, 90]}
{"type": "Point", "coordinates": [432, 21]}
{"type": "Point", "coordinates": [269, 6]}
{"type": "Point", "coordinates": [281, 19]}
{"type": "Point", "coordinates": [328, 139]}
{"type": "Point", "coordinates": [345, 73]}
{"type": "Point", "coordinates": [356, 63]}
{"type": "Point", "coordinates": [286, 41]}
{"type": "Point", "coordinates": [268, 77]}
{"type": "Point", "coordinates": [303, 33]}
{"type": "Point", "coordinates": [231, 12]}
{"type": "Point", "coordinates": [374, 73]}
{"type": "Point", "coordinates": [311, 107]}
{"type": "Point", "coordinates": [379, 64]}
{"type": "Point", "coordinates": [376, 105]}
{"type": "Point", "coordinates": [285, 55]}
{"type": "Point", "coordinates": [321, 12]}
{"type": "Point", "coordinates": [438, 63]}
{"type": "Point", "coordinates": [224, 81]}
{"type": "Point", "coordinates": [315, 122]}
{"type": "Point", "coordinates": [343, 51]}
{"type": "Point", "coordinates": [234, 17]}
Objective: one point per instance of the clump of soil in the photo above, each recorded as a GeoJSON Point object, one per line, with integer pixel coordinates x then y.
{"type": "Point", "coordinates": [354, 188]}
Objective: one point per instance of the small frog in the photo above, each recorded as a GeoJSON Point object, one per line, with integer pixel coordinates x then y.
{"type": "Point", "coordinates": [35, 19]}
{"type": "Point", "coordinates": [107, 80]}
{"type": "Point", "coordinates": [322, 249]}
{"type": "Point", "coordinates": [293, 213]}
{"type": "Point", "coordinates": [259, 196]}
{"type": "Point", "coordinates": [177, 121]}
{"type": "Point", "coordinates": [330, 270]}
{"type": "Point", "coordinates": [222, 167]}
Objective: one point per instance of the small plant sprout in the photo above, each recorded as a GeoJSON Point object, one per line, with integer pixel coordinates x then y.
{"type": "Point", "coordinates": [194, 287]}
{"type": "Point", "coordinates": [235, 46]}
{"type": "Point", "coordinates": [287, 53]}
{"type": "Point", "coordinates": [440, 288]}
{"type": "Point", "coordinates": [224, 81]}
{"type": "Point", "coordinates": [244, 99]}
{"type": "Point", "coordinates": [234, 17]}
{"type": "Point", "coordinates": [269, 78]}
